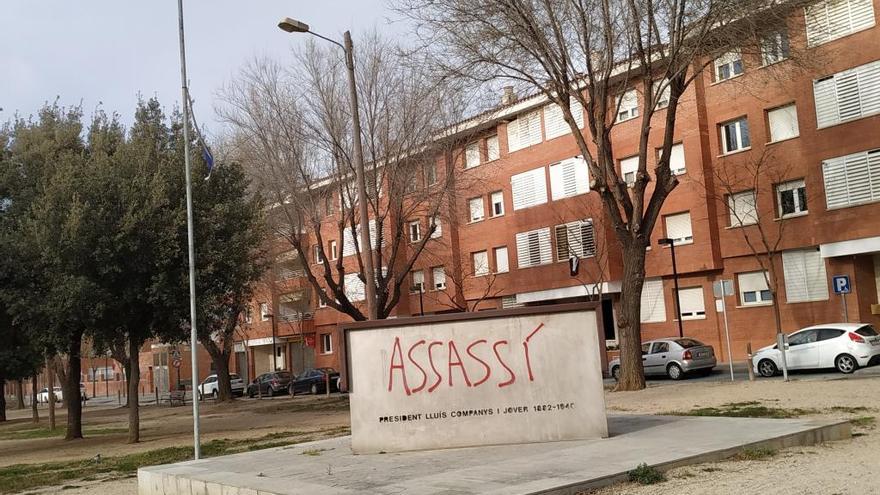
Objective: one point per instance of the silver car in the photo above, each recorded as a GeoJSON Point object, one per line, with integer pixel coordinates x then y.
{"type": "Point", "coordinates": [673, 357]}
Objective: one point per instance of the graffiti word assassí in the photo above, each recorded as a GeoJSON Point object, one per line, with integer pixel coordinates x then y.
{"type": "Point", "coordinates": [425, 356]}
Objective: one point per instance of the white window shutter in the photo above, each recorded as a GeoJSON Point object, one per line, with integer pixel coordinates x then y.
{"type": "Point", "coordinates": [554, 123]}
{"type": "Point", "coordinates": [834, 175]}
{"type": "Point", "coordinates": [529, 188]}
{"type": "Point", "coordinates": [472, 155]}
{"type": "Point", "coordinates": [805, 278]}
{"type": "Point", "coordinates": [628, 169]}
{"type": "Point", "coordinates": [475, 205]}
{"type": "Point", "coordinates": [742, 208]}
{"type": "Point", "coordinates": [354, 287]}
{"type": "Point", "coordinates": [513, 142]}
{"type": "Point", "coordinates": [678, 227]}
{"type": "Point", "coordinates": [533, 248]}
{"type": "Point", "coordinates": [833, 19]}
{"type": "Point", "coordinates": [653, 303]}
{"type": "Point", "coordinates": [493, 152]}
{"type": "Point", "coordinates": [692, 302]}
{"type": "Point", "coordinates": [569, 178]}
{"type": "Point", "coordinates": [676, 159]}
{"type": "Point", "coordinates": [869, 88]}
{"type": "Point", "coordinates": [502, 263]}
{"type": "Point", "coordinates": [439, 275]}
{"type": "Point", "coordinates": [825, 95]}
{"type": "Point", "coordinates": [533, 127]}
{"type": "Point", "coordinates": [783, 123]}
{"type": "Point", "coordinates": [847, 95]}
{"type": "Point", "coordinates": [481, 263]}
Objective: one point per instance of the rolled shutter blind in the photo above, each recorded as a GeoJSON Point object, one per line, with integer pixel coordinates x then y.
{"type": "Point", "coordinates": [653, 306]}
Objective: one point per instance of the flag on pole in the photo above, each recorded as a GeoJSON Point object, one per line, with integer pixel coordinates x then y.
{"type": "Point", "coordinates": [206, 151]}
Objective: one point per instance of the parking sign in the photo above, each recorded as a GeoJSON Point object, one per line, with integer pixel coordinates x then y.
{"type": "Point", "coordinates": [841, 284]}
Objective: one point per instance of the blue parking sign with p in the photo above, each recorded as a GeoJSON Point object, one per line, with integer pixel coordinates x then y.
{"type": "Point", "coordinates": [841, 284]}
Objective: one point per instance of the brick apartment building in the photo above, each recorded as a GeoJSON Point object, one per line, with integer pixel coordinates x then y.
{"type": "Point", "coordinates": [509, 238]}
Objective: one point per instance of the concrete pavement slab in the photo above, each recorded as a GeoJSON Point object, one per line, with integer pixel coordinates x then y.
{"type": "Point", "coordinates": [328, 467]}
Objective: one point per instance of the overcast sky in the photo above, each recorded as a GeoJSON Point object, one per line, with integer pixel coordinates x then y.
{"type": "Point", "coordinates": [108, 51]}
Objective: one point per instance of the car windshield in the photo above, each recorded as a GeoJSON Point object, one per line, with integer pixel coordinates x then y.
{"type": "Point", "coordinates": [867, 331]}
{"type": "Point", "coordinates": [283, 374]}
{"type": "Point", "coordinates": [688, 343]}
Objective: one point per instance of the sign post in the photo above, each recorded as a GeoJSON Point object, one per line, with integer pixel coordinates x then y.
{"type": "Point", "coordinates": [723, 288]}
{"type": "Point", "coordinates": [842, 287]}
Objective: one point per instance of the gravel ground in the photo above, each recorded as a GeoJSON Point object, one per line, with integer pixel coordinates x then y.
{"type": "Point", "coordinates": [846, 467]}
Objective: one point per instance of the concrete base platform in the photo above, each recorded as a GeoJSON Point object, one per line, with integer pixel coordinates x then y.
{"type": "Point", "coordinates": [328, 467]}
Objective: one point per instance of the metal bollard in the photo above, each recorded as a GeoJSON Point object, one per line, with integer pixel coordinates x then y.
{"type": "Point", "coordinates": [749, 362]}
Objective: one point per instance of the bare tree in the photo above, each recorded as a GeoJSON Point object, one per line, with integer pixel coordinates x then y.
{"type": "Point", "coordinates": [760, 197]}
{"type": "Point", "coordinates": [292, 130]}
{"type": "Point", "coordinates": [592, 52]}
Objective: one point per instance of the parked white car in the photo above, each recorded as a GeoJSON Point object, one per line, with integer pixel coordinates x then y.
{"type": "Point", "coordinates": [43, 396]}
{"type": "Point", "coordinates": [845, 346]}
{"type": "Point", "coordinates": [209, 387]}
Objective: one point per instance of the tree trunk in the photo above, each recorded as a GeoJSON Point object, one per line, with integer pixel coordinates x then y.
{"type": "Point", "coordinates": [2, 399]}
{"type": "Point", "coordinates": [134, 419]}
{"type": "Point", "coordinates": [224, 382]}
{"type": "Point", "coordinates": [72, 396]}
{"type": "Point", "coordinates": [50, 381]}
{"type": "Point", "coordinates": [632, 372]}
{"type": "Point", "coordinates": [127, 370]}
{"type": "Point", "coordinates": [19, 393]}
{"type": "Point", "coordinates": [34, 410]}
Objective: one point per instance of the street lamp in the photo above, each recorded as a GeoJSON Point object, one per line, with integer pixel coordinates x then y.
{"type": "Point", "coordinates": [665, 241]}
{"type": "Point", "coordinates": [294, 26]}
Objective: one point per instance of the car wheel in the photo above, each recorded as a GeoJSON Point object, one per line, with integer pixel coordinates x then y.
{"type": "Point", "coordinates": [674, 371]}
{"type": "Point", "coordinates": [291, 390]}
{"type": "Point", "coordinates": [767, 368]}
{"type": "Point", "coordinates": [250, 393]}
{"type": "Point", "coordinates": [314, 389]}
{"type": "Point", "coordinates": [216, 394]}
{"type": "Point", "coordinates": [846, 364]}
{"type": "Point", "coordinates": [615, 372]}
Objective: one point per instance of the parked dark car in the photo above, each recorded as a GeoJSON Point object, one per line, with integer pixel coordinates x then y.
{"type": "Point", "coordinates": [315, 381]}
{"type": "Point", "coordinates": [270, 384]}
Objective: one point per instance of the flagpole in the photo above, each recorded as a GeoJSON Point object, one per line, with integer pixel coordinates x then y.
{"type": "Point", "coordinates": [190, 245]}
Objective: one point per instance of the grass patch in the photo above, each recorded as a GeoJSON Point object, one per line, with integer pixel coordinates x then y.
{"type": "Point", "coordinates": [755, 454]}
{"type": "Point", "coordinates": [864, 421]}
{"type": "Point", "coordinates": [644, 474]}
{"type": "Point", "coordinates": [335, 402]}
{"type": "Point", "coordinates": [749, 409]}
{"type": "Point", "coordinates": [849, 410]}
{"type": "Point", "coordinates": [45, 432]}
{"type": "Point", "coordinates": [21, 477]}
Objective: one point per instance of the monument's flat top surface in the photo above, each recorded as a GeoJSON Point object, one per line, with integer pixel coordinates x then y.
{"type": "Point", "coordinates": [328, 467]}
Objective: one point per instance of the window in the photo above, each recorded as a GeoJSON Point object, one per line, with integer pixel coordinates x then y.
{"type": "Point", "coordinates": [502, 265]}
{"type": "Point", "coordinates": [676, 159]}
{"type": "Point", "coordinates": [415, 231]}
{"type": "Point", "coordinates": [628, 169]}
{"type": "Point", "coordinates": [334, 252]}
{"type": "Point", "coordinates": [430, 174]}
{"type": "Point", "coordinates": [847, 95]}
{"type": "Point", "coordinates": [569, 178]}
{"type": "Point", "coordinates": [742, 209]}
{"type": "Point", "coordinates": [774, 48]}
{"type": "Point", "coordinates": [439, 277]}
{"type": "Point", "coordinates": [326, 343]}
{"type": "Point", "coordinates": [692, 304]}
{"type": "Point", "coordinates": [783, 123]}
{"type": "Point", "coordinates": [497, 200]}
{"type": "Point", "coordinates": [264, 311]}
{"type": "Point", "coordinates": [321, 303]}
{"type": "Point", "coordinates": [525, 131]}
{"type": "Point", "coordinates": [805, 278]}
{"type": "Point", "coordinates": [329, 205]}
{"type": "Point", "coordinates": [554, 122]}
{"type": "Point", "coordinates": [481, 263]}
{"type": "Point", "coordinates": [735, 135]}
{"type": "Point", "coordinates": [472, 155]}
{"type": "Point", "coordinates": [803, 337]}
{"type": "Point", "coordinates": [533, 248]}
{"type": "Point", "coordinates": [852, 179]}
{"type": "Point", "coordinates": [317, 250]}
{"type": "Point", "coordinates": [628, 106]}
{"type": "Point", "coordinates": [418, 282]}
{"type": "Point", "coordinates": [575, 239]}
{"type": "Point", "coordinates": [353, 287]}
{"type": "Point", "coordinates": [829, 333]}
{"type": "Point", "coordinates": [438, 227]}
{"type": "Point", "coordinates": [350, 242]}
{"type": "Point", "coordinates": [791, 197]}
{"type": "Point", "coordinates": [728, 65]}
{"type": "Point", "coordinates": [661, 93]}
{"type": "Point", "coordinates": [653, 303]}
{"type": "Point", "coordinates": [834, 19]}
{"type": "Point", "coordinates": [660, 347]}
{"type": "Point", "coordinates": [753, 288]}
{"type": "Point", "coordinates": [529, 188]}
{"type": "Point", "coordinates": [493, 151]}
{"type": "Point", "coordinates": [678, 228]}
{"type": "Point", "coordinates": [248, 315]}
{"type": "Point", "coordinates": [475, 205]}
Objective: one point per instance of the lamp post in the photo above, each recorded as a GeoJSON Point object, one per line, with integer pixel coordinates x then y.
{"type": "Point", "coordinates": [294, 26]}
{"type": "Point", "coordinates": [665, 241]}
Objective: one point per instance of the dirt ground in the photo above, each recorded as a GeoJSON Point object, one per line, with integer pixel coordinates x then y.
{"type": "Point", "coordinates": [846, 467]}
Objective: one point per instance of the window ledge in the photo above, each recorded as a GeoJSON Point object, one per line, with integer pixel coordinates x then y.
{"type": "Point", "coordinates": [500, 273]}
{"type": "Point", "coordinates": [683, 243]}
{"type": "Point", "coordinates": [691, 318]}
{"type": "Point", "coordinates": [755, 305]}
{"type": "Point", "coordinates": [616, 122]}
{"type": "Point", "coordinates": [791, 215]}
{"type": "Point", "coordinates": [765, 65]}
{"type": "Point", "coordinates": [806, 301]}
{"type": "Point", "coordinates": [768, 143]}
{"type": "Point", "coordinates": [740, 226]}
{"type": "Point", "coordinates": [722, 81]}
{"type": "Point", "coordinates": [497, 216]}
{"type": "Point", "coordinates": [735, 152]}
{"type": "Point", "coordinates": [476, 221]}
{"type": "Point", "coordinates": [326, 353]}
